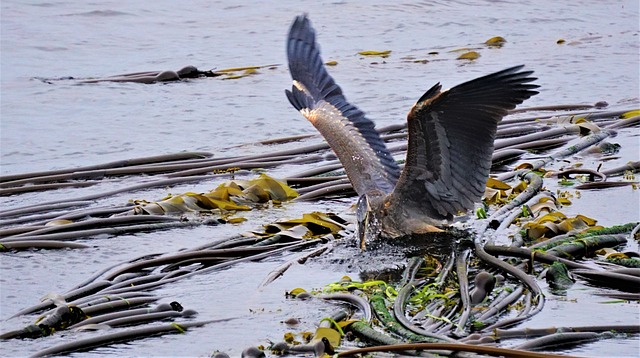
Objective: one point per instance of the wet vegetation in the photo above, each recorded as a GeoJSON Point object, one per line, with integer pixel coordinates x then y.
{"type": "Point", "coordinates": [459, 291]}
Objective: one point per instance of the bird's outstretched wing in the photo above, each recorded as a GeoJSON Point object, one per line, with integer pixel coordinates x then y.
{"type": "Point", "coordinates": [364, 156]}
{"type": "Point", "coordinates": [451, 136]}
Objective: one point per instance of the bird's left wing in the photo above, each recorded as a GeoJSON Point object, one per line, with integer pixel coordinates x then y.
{"type": "Point", "coordinates": [451, 136]}
{"type": "Point", "coordinates": [364, 156]}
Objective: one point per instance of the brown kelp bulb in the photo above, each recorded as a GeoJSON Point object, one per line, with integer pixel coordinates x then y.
{"type": "Point", "coordinates": [280, 348]}
{"type": "Point", "coordinates": [484, 285]}
{"type": "Point", "coordinates": [487, 339]}
{"type": "Point", "coordinates": [220, 355]}
{"type": "Point", "coordinates": [303, 296]}
{"type": "Point", "coordinates": [472, 336]}
{"type": "Point", "coordinates": [292, 321]}
{"type": "Point", "coordinates": [252, 352]}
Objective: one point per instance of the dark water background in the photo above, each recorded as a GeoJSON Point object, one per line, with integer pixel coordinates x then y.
{"type": "Point", "coordinates": [62, 124]}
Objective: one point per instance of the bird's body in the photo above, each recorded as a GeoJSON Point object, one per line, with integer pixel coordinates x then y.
{"type": "Point", "coordinates": [450, 132]}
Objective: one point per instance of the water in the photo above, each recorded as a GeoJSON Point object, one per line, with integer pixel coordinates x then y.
{"type": "Point", "coordinates": [54, 124]}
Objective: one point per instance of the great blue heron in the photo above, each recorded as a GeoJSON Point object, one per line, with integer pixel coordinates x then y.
{"type": "Point", "coordinates": [451, 136]}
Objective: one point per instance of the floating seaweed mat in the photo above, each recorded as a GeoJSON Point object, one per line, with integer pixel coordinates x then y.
{"type": "Point", "coordinates": [626, 259]}
{"type": "Point", "coordinates": [309, 226]}
{"type": "Point", "coordinates": [499, 192]}
{"type": "Point", "coordinates": [587, 245]}
{"type": "Point", "coordinates": [235, 195]}
{"type": "Point", "coordinates": [555, 223]}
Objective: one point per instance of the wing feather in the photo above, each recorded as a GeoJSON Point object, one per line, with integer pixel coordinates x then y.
{"type": "Point", "coordinates": [363, 154]}
{"type": "Point", "coordinates": [451, 136]}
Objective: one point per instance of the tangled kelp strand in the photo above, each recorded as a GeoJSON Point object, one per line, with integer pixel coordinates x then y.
{"type": "Point", "coordinates": [125, 303]}
{"type": "Point", "coordinates": [399, 313]}
{"type": "Point", "coordinates": [550, 133]}
{"type": "Point", "coordinates": [534, 255]}
{"type": "Point", "coordinates": [538, 332]}
{"type": "Point", "coordinates": [280, 270]}
{"type": "Point", "coordinates": [44, 219]}
{"type": "Point", "coordinates": [533, 187]}
{"type": "Point", "coordinates": [327, 191]}
{"type": "Point", "coordinates": [148, 317]}
{"type": "Point", "coordinates": [162, 307]}
{"type": "Point", "coordinates": [562, 339]}
{"type": "Point", "coordinates": [115, 164]}
{"type": "Point", "coordinates": [455, 347]}
{"type": "Point", "coordinates": [67, 297]}
{"type": "Point", "coordinates": [580, 145]}
{"type": "Point", "coordinates": [632, 166]}
{"type": "Point", "coordinates": [626, 122]}
{"type": "Point", "coordinates": [538, 145]}
{"type": "Point", "coordinates": [83, 234]}
{"type": "Point", "coordinates": [368, 334]}
{"type": "Point", "coordinates": [449, 310]}
{"type": "Point", "coordinates": [587, 245]}
{"type": "Point", "coordinates": [315, 188]}
{"type": "Point", "coordinates": [40, 244]}
{"type": "Point", "coordinates": [123, 336]}
{"type": "Point", "coordinates": [87, 199]}
{"type": "Point", "coordinates": [359, 302]}
{"type": "Point", "coordinates": [232, 252]}
{"type": "Point", "coordinates": [619, 281]}
{"type": "Point", "coordinates": [261, 255]}
{"type": "Point", "coordinates": [463, 287]}
{"type": "Point", "coordinates": [590, 115]}
{"type": "Point", "coordinates": [102, 298]}
{"type": "Point", "coordinates": [43, 207]}
{"type": "Point", "coordinates": [497, 305]}
{"type": "Point", "coordinates": [96, 222]}
{"type": "Point", "coordinates": [57, 319]}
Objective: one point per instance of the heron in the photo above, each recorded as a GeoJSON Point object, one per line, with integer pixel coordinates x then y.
{"type": "Point", "coordinates": [450, 142]}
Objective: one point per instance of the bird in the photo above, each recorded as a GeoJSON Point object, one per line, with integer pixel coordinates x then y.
{"type": "Point", "coordinates": [450, 142]}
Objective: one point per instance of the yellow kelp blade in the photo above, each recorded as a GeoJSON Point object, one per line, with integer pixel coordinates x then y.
{"type": "Point", "coordinates": [544, 204]}
{"type": "Point", "coordinates": [385, 53]}
{"type": "Point", "coordinates": [496, 41]}
{"type": "Point", "coordinates": [276, 189]}
{"type": "Point", "coordinates": [330, 334]}
{"type": "Point", "coordinates": [238, 69]}
{"type": "Point", "coordinates": [256, 194]}
{"type": "Point", "coordinates": [228, 196]}
{"type": "Point", "coordinates": [497, 184]}
{"type": "Point", "coordinates": [471, 55]}
{"type": "Point", "coordinates": [318, 222]}
{"type": "Point", "coordinates": [630, 114]}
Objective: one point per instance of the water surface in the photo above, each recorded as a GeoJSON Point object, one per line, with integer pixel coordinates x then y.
{"type": "Point", "coordinates": [49, 122]}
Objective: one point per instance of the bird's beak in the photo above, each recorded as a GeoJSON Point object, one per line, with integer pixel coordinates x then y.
{"type": "Point", "coordinates": [362, 216]}
{"type": "Point", "coordinates": [369, 227]}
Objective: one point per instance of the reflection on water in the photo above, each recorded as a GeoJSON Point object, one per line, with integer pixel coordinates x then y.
{"type": "Point", "coordinates": [62, 124]}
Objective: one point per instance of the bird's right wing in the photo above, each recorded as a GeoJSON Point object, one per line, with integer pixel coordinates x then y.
{"type": "Point", "coordinates": [451, 136]}
{"type": "Point", "coordinates": [364, 156]}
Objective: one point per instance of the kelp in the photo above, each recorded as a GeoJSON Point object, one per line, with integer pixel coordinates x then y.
{"type": "Point", "coordinates": [558, 277]}
{"type": "Point", "coordinates": [123, 336]}
{"type": "Point", "coordinates": [453, 347]}
{"type": "Point", "coordinates": [382, 54]}
{"type": "Point", "coordinates": [448, 302]}
{"type": "Point", "coordinates": [225, 200]}
{"type": "Point", "coordinates": [235, 73]}
{"type": "Point", "coordinates": [59, 319]}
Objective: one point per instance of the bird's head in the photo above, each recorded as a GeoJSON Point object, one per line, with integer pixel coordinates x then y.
{"type": "Point", "coordinates": [369, 214]}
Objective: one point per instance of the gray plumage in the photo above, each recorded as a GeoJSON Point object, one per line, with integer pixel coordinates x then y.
{"type": "Point", "coordinates": [450, 132]}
